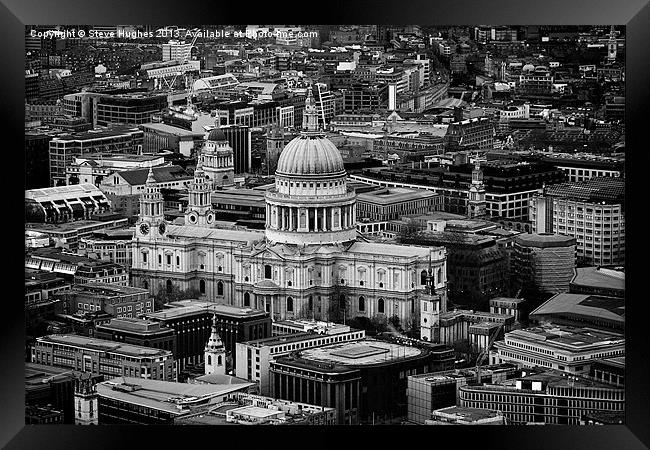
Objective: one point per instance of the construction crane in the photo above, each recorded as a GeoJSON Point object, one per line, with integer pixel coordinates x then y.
{"type": "Point", "coordinates": [485, 352]}
{"type": "Point", "coordinates": [182, 61]}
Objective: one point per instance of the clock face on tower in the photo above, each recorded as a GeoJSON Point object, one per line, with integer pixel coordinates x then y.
{"type": "Point", "coordinates": [161, 228]}
{"type": "Point", "coordinates": [144, 228]}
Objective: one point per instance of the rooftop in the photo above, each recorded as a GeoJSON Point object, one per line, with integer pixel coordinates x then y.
{"type": "Point", "coordinates": [467, 414]}
{"type": "Point", "coordinates": [595, 306]}
{"type": "Point", "coordinates": [175, 398]}
{"type": "Point", "coordinates": [359, 353]}
{"type": "Point", "coordinates": [104, 345]}
{"type": "Point", "coordinates": [190, 307]}
{"type": "Point", "coordinates": [189, 232]}
{"type": "Point", "coordinates": [599, 277]}
{"type": "Point", "coordinates": [605, 189]}
{"type": "Point", "coordinates": [138, 177]}
{"type": "Point", "coordinates": [393, 195]}
{"type": "Point", "coordinates": [544, 240]}
{"type": "Point", "coordinates": [567, 337]}
{"type": "Point", "coordinates": [70, 191]}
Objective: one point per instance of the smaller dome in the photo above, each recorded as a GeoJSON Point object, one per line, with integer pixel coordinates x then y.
{"type": "Point", "coordinates": [217, 135]}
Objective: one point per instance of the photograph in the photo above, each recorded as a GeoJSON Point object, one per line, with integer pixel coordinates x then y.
{"type": "Point", "coordinates": [346, 226]}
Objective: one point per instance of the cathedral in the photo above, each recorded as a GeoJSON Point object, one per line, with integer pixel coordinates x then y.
{"type": "Point", "coordinates": [308, 260]}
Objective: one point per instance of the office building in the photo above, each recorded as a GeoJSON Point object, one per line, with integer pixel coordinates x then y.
{"type": "Point", "coordinates": [560, 347]}
{"type": "Point", "coordinates": [102, 357]}
{"type": "Point", "coordinates": [239, 139]}
{"type": "Point", "coordinates": [192, 322]}
{"type": "Point", "coordinates": [64, 148]}
{"type": "Point", "coordinates": [118, 301]}
{"type": "Point", "coordinates": [95, 167]}
{"type": "Point", "coordinates": [593, 212]}
{"type": "Point", "coordinates": [138, 401]}
{"type": "Point", "coordinates": [543, 262]}
{"type": "Point", "coordinates": [605, 281]}
{"type": "Point", "coordinates": [254, 357]}
{"type": "Point", "coordinates": [361, 379]}
{"type": "Point", "coordinates": [158, 137]}
{"type": "Point", "coordinates": [391, 204]}
{"type": "Point", "coordinates": [108, 245]}
{"type": "Point", "coordinates": [135, 331]}
{"type": "Point", "coordinates": [474, 133]}
{"type": "Point", "coordinates": [431, 391]}
{"type": "Point", "coordinates": [64, 203]}
{"type": "Point", "coordinates": [550, 397]}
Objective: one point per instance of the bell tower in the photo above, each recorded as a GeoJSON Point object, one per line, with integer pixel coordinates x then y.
{"type": "Point", "coordinates": [430, 308]}
{"type": "Point", "coordinates": [611, 46]}
{"type": "Point", "coordinates": [215, 352]}
{"type": "Point", "coordinates": [476, 205]}
{"type": "Point", "coordinates": [85, 401]}
{"type": "Point", "coordinates": [199, 208]}
{"type": "Point", "coordinates": [151, 223]}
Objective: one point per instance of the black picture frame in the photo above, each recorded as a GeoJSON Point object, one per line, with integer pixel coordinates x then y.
{"type": "Point", "coordinates": [635, 14]}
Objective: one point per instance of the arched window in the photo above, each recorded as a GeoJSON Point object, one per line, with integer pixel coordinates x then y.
{"type": "Point", "coordinates": [289, 304]}
{"type": "Point", "coordinates": [362, 304]}
{"type": "Point", "coordinates": [380, 305]}
{"type": "Point", "coordinates": [169, 286]}
{"type": "Point", "coordinates": [439, 275]}
{"type": "Point", "coordinates": [209, 360]}
{"type": "Point", "coordinates": [202, 286]}
{"type": "Point", "coordinates": [247, 299]}
{"type": "Point", "coordinates": [423, 277]}
{"type": "Point", "coordinates": [219, 360]}
{"type": "Point", "coordinates": [219, 288]}
{"type": "Point", "coordinates": [342, 301]}
{"type": "Point", "coordinates": [145, 284]}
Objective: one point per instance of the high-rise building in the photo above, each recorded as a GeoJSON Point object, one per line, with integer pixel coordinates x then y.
{"type": "Point", "coordinates": [544, 262]}
{"type": "Point", "coordinates": [177, 50]}
{"type": "Point", "coordinates": [592, 211]}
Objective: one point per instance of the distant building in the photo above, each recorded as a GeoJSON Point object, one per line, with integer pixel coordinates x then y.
{"type": "Point", "coordinates": [508, 306]}
{"type": "Point", "coordinates": [118, 301]}
{"type": "Point", "coordinates": [102, 357]}
{"type": "Point", "coordinates": [560, 347]}
{"type": "Point", "coordinates": [470, 133]}
{"type": "Point", "coordinates": [160, 136]}
{"type": "Point", "coordinates": [593, 212]}
{"type": "Point", "coordinates": [393, 203]}
{"type": "Point", "coordinates": [131, 182]}
{"type": "Point", "coordinates": [77, 269]}
{"type": "Point", "coordinates": [108, 245]}
{"type": "Point", "coordinates": [239, 138]}
{"type": "Point", "coordinates": [64, 148]}
{"type": "Point", "coordinates": [64, 203]}
{"type": "Point", "coordinates": [544, 262]}
{"type": "Point", "coordinates": [93, 168]}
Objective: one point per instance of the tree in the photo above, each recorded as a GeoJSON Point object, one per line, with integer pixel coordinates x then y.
{"type": "Point", "coordinates": [163, 297]}
{"type": "Point", "coordinates": [395, 322]}
{"type": "Point", "coordinates": [379, 323]}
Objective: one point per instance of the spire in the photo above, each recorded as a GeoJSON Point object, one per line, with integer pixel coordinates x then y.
{"type": "Point", "coordinates": [310, 116]}
{"type": "Point", "coordinates": [150, 178]}
{"type": "Point", "coordinates": [214, 343]}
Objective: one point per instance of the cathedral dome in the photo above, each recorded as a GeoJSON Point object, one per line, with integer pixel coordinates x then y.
{"type": "Point", "coordinates": [217, 135]}
{"type": "Point", "coordinates": [310, 155]}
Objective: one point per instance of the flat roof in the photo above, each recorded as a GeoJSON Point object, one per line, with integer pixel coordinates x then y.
{"type": "Point", "coordinates": [468, 414]}
{"type": "Point", "coordinates": [389, 196]}
{"type": "Point", "coordinates": [256, 411]}
{"type": "Point", "coordinates": [164, 128]}
{"type": "Point", "coordinates": [190, 307]}
{"type": "Point", "coordinates": [359, 353]}
{"type": "Point", "coordinates": [216, 234]}
{"type": "Point", "coordinates": [104, 345]}
{"type": "Point", "coordinates": [568, 337]}
{"type": "Point", "coordinates": [405, 251]}
{"type": "Point", "coordinates": [164, 395]}
{"type": "Point", "coordinates": [544, 240]}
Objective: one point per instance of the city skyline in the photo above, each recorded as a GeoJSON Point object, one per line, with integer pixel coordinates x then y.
{"type": "Point", "coordinates": [326, 224]}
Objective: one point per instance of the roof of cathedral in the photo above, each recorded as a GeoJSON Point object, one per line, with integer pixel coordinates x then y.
{"type": "Point", "coordinates": [389, 249]}
{"type": "Point", "coordinates": [184, 231]}
{"type": "Point", "coordinates": [165, 174]}
{"type": "Point", "coordinates": [310, 155]}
